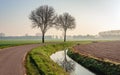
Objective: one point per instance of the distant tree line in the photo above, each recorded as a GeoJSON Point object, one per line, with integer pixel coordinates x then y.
{"type": "Point", "coordinates": [2, 34]}
{"type": "Point", "coordinates": [44, 17]}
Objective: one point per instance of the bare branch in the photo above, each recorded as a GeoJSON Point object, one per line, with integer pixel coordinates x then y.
{"type": "Point", "coordinates": [43, 18]}
{"type": "Point", "coordinates": [65, 22]}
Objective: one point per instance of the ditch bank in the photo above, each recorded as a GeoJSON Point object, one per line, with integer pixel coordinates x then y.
{"type": "Point", "coordinates": [99, 67]}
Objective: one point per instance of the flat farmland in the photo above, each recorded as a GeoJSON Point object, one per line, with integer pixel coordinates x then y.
{"type": "Point", "coordinates": [103, 50]}
{"type": "Point", "coordinates": [10, 43]}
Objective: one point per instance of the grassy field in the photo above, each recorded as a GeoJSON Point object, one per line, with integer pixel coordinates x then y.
{"type": "Point", "coordinates": [9, 43]}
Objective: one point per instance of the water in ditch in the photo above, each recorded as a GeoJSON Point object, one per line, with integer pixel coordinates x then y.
{"type": "Point", "coordinates": [59, 57]}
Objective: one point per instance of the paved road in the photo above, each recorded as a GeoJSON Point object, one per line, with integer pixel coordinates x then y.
{"type": "Point", "coordinates": [12, 59]}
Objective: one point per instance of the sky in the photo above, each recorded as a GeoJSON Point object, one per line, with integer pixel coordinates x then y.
{"type": "Point", "coordinates": [92, 16]}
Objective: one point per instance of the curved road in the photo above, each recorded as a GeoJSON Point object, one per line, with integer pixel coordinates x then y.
{"type": "Point", "coordinates": [12, 59]}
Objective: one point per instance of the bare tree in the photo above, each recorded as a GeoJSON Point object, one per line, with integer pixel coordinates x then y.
{"type": "Point", "coordinates": [43, 18]}
{"type": "Point", "coordinates": [65, 22]}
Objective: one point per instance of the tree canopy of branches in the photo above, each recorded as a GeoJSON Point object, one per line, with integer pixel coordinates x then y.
{"type": "Point", "coordinates": [65, 22]}
{"type": "Point", "coordinates": [43, 18]}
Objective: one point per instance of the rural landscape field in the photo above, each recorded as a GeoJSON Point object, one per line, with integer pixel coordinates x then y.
{"type": "Point", "coordinates": [67, 37]}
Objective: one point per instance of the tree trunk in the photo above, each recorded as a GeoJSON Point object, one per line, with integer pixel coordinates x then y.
{"type": "Point", "coordinates": [43, 35]}
{"type": "Point", "coordinates": [65, 36]}
{"type": "Point", "coordinates": [65, 55]}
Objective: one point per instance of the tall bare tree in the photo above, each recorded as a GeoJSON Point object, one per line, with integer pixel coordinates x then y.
{"type": "Point", "coordinates": [65, 22]}
{"type": "Point", "coordinates": [43, 18]}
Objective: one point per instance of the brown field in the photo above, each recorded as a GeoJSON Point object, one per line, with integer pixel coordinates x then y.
{"type": "Point", "coordinates": [102, 50]}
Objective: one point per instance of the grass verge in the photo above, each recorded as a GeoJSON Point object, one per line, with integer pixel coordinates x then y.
{"type": "Point", "coordinates": [38, 60]}
{"type": "Point", "coordinates": [96, 66]}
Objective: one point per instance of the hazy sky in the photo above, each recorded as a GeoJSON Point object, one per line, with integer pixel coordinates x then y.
{"type": "Point", "coordinates": [92, 16]}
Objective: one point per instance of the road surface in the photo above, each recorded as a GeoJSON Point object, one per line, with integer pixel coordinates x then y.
{"type": "Point", "coordinates": [12, 59]}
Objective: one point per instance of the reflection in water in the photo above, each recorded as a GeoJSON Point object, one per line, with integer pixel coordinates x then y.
{"type": "Point", "coordinates": [69, 64]}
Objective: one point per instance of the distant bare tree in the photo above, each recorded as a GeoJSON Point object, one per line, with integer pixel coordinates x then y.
{"type": "Point", "coordinates": [43, 18]}
{"type": "Point", "coordinates": [65, 22]}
